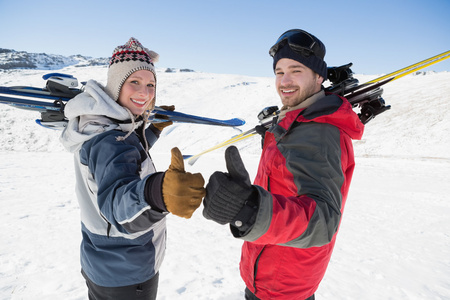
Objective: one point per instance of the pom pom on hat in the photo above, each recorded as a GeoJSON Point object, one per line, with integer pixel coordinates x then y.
{"type": "Point", "coordinates": [125, 60]}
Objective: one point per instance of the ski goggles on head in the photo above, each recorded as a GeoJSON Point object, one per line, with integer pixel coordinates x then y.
{"type": "Point", "coordinates": [299, 41]}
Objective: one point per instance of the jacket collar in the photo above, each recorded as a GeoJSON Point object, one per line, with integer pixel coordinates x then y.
{"type": "Point", "coordinates": [307, 102]}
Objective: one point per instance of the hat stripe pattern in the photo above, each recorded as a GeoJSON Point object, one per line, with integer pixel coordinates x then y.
{"type": "Point", "coordinates": [125, 60]}
{"type": "Point", "coordinates": [128, 56]}
{"type": "Point", "coordinates": [131, 51]}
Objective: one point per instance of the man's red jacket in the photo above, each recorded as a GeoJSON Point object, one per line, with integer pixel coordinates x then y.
{"type": "Point", "coordinates": [303, 180]}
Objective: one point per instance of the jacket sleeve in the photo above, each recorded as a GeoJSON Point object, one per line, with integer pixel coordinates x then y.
{"type": "Point", "coordinates": [301, 204]}
{"type": "Point", "coordinates": [115, 167]}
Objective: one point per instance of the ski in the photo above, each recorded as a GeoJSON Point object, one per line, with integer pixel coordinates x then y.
{"type": "Point", "coordinates": [187, 118]}
{"type": "Point", "coordinates": [30, 92]}
{"type": "Point", "coordinates": [52, 114]}
{"type": "Point", "coordinates": [352, 92]}
{"type": "Point", "coordinates": [414, 67]}
{"type": "Point", "coordinates": [30, 104]}
{"type": "Point", "coordinates": [60, 88]}
{"type": "Point", "coordinates": [193, 158]}
{"type": "Point", "coordinates": [55, 125]}
{"type": "Point", "coordinates": [367, 95]}
{"type": "Point", "coordinates": [266, 120]}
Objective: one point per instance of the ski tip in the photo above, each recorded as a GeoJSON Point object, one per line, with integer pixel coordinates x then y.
{"type": "Point", "coordinates": [192, 160]}
{"type": "Point", "coordinates": [48, 75]}
{"type": "Point", "coordinates": [56, 125]}
{"type": "Point", "coordinates": [40, 123]}
{"type": "Point", "coordinates": [238, 121]}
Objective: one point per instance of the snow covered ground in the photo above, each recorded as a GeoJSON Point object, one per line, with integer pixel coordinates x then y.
{"type": "Point", "coordinates": [394, 241]}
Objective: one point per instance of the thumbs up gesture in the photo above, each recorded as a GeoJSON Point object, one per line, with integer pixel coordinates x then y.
{"type": "Point", "coordinates": [182, 191]}
{"type": "Point", "coordinates": [227, 193]}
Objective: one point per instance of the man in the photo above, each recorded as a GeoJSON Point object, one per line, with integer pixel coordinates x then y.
{"type": "Point", "coordinates": [290, 216]}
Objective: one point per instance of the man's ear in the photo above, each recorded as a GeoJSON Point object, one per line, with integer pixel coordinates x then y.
{"type": "Point", "coordinates": [319, 79]}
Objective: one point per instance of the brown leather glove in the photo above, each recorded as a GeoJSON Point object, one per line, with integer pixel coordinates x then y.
{"type": "Point", "coordinates": [182, 191]}
{"type": "Point", "coordinates": [161, 125]}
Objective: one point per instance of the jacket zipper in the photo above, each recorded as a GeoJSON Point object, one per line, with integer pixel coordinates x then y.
{"type": "Point", "coordinates": [256, 269]}
{"type": "Point", "coordinates": [260, 253]}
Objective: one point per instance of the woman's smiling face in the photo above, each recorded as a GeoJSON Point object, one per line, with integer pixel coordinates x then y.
{"type": "Point", "coordinates": [138, 92]}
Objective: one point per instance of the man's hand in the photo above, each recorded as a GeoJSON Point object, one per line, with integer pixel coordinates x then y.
{"type": "Point", "coordinates": [226, 193]}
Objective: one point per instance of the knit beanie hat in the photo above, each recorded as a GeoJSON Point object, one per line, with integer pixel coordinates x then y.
{"type": "Point", "coordinates": [126, 60]}
{"type": "Point", "coordinates": [315, 63]}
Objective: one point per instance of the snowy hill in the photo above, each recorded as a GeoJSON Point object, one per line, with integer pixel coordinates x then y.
{"type": "Point", "coordinates": [394, 240]}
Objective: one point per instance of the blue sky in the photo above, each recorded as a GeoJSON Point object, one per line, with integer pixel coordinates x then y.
{"type": "Point", "coordinates": [232, 36]}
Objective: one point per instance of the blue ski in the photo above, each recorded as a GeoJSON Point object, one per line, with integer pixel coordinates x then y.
{"type": "Point", "coordinates": [187, 118]}
{"type": "Point", "coordinates": [30, 104]}
{"type": "Point", "coordinates": [51, 108]}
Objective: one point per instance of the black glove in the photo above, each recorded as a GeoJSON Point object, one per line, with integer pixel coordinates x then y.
{"type": "Point", "coordinates": [226, 193]}
{"type": "Point", "coordinates": [261, 130]}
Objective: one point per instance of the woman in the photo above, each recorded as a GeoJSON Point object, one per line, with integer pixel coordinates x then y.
{"type": "Point", "coordinates": [123, 199]}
